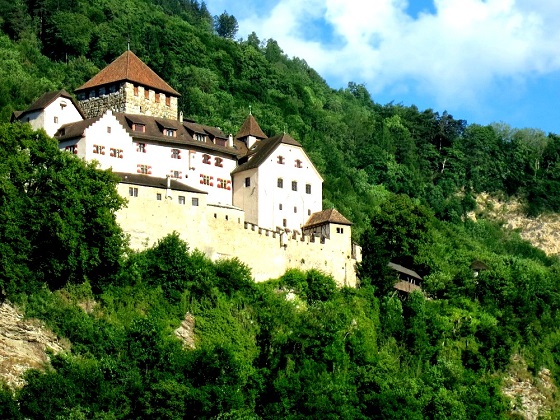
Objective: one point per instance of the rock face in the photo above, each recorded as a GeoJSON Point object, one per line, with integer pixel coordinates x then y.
{"type": "Point", "coordinates": [531, 397]}
{"type": "Point", "coordinates": [542, 232]}
{"type": "Point", "coordinates": [185, 332]}
{"type": "Point", "coordinates": [23, 345]}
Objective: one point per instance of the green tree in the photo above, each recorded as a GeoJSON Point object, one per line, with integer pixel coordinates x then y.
{"type": "Point", "coordinates": [57, 214]}
{"type": "Point", "coordinates": [226, 25]}
{"type": "Point", "coordinates": [397, 232]}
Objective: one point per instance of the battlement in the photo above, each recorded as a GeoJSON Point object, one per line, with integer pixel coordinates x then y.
{"type": "Point", "coordinates": [220, 231]}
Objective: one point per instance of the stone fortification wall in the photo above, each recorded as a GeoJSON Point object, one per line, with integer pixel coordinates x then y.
{"type": "Point", "coordinates": [97, 105]}
{"type": "Point", "coordinates": [221, 232]}
{"type": "Point", "coordinates": [125, 98]}
{"type": "Point", "coordinates": [140, 104]}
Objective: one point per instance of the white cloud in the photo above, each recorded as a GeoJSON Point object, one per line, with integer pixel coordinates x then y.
{"type": "Point", "coordinates": [454, 55]}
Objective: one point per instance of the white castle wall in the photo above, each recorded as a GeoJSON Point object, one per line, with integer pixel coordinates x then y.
{"type": "Point", "coordinates": [221, 232]}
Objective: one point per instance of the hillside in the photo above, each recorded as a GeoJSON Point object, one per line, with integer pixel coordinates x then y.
{"type": "Point", "coordinates": [169, 333]}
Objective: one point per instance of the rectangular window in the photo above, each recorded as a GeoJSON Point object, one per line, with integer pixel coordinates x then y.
{"type": "Point", "coordinates": [99, 149]}
{"type": "Point", "coordinates": [158, 196]}
{"type": "Point", "coordinates": [108, 130]}
{"type": "Point", "coordinates": [206, 180]}
{"type": "Point", "coordinates": [181, 199]}
{"type": "Point", "coordinates": [168, 100]}
{"type": "Point", "coordinates": [295, 209]}
{"type": "Point", "coordinates": [141, 147]}
{"type": "Point", "coordinates": [176, 174]}
{"type": "Point", "coordinates": [141, 128]}
{"type": "Point", "coordinates": [294, 185]}
{"type": "Point", "coordinates": [175, 154]}
{"type": "Point", "coordinates": [206, 159]}
{"type": "Point", "coordinates": [135, 90]}
{"type": "Point", "coordinates": [218, 162]}
{"type": "Point", "coordinates": [280, 183]}
{"type": "Point", "coordinates": [146, 93]}
{"type": "Point", "coordinates": [157, 98]}
{"type": "Point", "coordinates": [222, 183]}
{"type": "Point", "coordinates": [281, 160]}
{"type": "Point", "coordinates": [339, 230]}
{"type": "Point", "coordinates": [117, 153]}
{"type": "Point", "coordinates": [247, 182]}
{"type": "Point", "coordinates": [169, 132]}
{"type": "Point", "coordinates": [72, 149]}
{"type": "Point", "coordinates": [133, 192]}
{"type": "Point", "coordinates": [308, 188]}
{"type": "Point", "coordinates": [56, 120]}
{"type": "Point", "coordinates": [309, 212]}
{"type": "Point", "coordinates": [298, 163]}
{"type": "Point", "coordinates": [280, 206]}
{"type": "Point", "coordinates": [284, 222]}
{"type": "Point", "coordinates": [195, 202]}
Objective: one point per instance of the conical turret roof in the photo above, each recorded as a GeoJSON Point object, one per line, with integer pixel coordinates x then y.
{"type": "Point", "coordinates": [128, 67]}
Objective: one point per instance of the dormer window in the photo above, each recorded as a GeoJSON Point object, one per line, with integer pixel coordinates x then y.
{"type": "Point", "coordinates": [141, 128]}
{"type": "Point", "coordinates": [206, 159]}
{"type": "Point", "coordinates": [281, 160]}
{"type": "Point", "coordinates": [219, 162]}
{"type": "Point", "coordinates": [135, 90]}
{"type": "Point", "coordinates": [199, 137]}
{"type": "Point", "coordinates": [298, 163]}
{"type": "Point", "coordinates": [157, 98]}
{"type": "Point", "coordinates": [169, 132]}
{"type": "Point", "coordinates": [146, 93]}
{"type": "Point", "coordinates": [175, 154]}
{"type": "Point", "coordinates": [168, 100]}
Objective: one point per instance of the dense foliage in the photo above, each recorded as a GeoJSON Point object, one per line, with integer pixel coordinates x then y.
{"type": "Point", "coordinates": [292, 347]}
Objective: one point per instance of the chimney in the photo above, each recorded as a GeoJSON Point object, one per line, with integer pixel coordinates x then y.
{"type": "Point", "coordinates": [230, 141]}
{"type": "Point", "coordinates": [181, 117]}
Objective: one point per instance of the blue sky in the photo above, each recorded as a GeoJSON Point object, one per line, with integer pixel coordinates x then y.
{"type": "Point", "coordinates": [483, 61]}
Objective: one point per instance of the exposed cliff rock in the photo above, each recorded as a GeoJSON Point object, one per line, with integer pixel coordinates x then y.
{"type": "Point", "coordinates": [185, 332]}
{"type": "Point", "coordinates": [542, 232]}
{"type": "Point", "coordinates": [23, 345]}
{"type": "Point", "coordinates": [532, 397]}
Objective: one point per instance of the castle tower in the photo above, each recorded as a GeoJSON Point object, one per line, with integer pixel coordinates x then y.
{"type": "Point", "coordinates": [250, 132]}
{"type": "Point", "coordinates": [128, 85]}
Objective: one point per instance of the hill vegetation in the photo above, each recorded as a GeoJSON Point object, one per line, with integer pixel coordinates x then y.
{"type": "Point", "coordinates": [292, 347]}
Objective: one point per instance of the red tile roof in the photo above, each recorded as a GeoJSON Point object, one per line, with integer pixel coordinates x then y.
{"type": "Point", "coordinates": [250, 127]}
{"type": "Point", "coordinates": [128, 67]}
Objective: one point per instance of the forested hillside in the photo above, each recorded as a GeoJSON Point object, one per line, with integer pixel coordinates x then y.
{"type": "Point", "coordinates": [296, 346]}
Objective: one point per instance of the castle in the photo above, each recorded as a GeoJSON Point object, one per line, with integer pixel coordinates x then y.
{"type": "Point", "coordinates": [250, 196]}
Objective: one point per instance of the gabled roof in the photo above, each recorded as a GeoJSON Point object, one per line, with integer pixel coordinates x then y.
{"type": "Point", "coordinates": [74, 130]}
{"type": "Point", "coordinates": [250, 127]}
{"type": "Point", "coordinates": [404, 270]}
{"type": "Point", "coordinates": [151, 181]}
{"type": "Point", "coordinates": [262, 150]}
{"type": "Point", "coordinates": [128, 67]}
{"type": "Point", "coordinates": [45, 100]}
{"type": "Point", "coordinates": [326, 216]}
